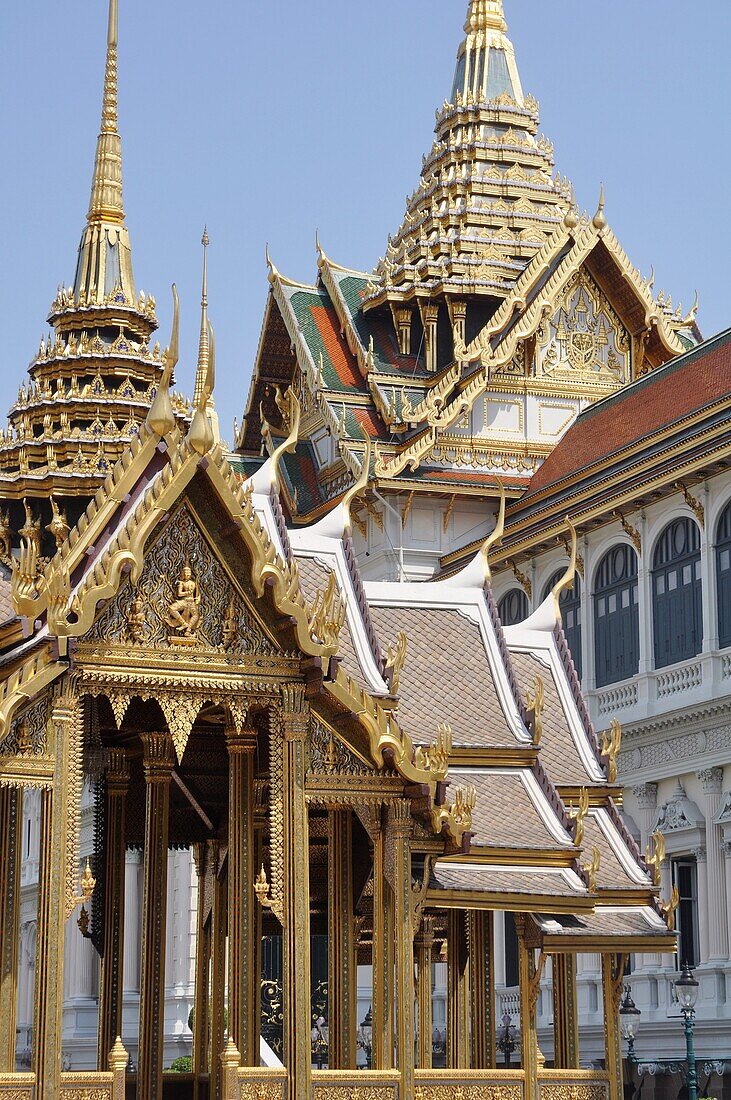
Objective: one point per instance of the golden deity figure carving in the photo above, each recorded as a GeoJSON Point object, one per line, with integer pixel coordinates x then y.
{"type": "Point", "coordinates": [136, 619]}
{"type": "Point", "coordinates": [230, 625]}
{"type": "Point", "coordinates": [184, 615]}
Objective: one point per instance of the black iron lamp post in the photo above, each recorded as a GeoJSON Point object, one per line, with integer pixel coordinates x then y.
{"type": "Point", "coordinates": [686, 990]}
{"type": "Point", "coordinates": [629, 1015]}
{"type": "Point", "coordinates": [507, 1038]}
{"type": "Point", "coordinates": [365, 1037]}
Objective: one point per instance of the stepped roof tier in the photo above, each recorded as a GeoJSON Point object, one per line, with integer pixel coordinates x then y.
{"type": "Point", "coordinates": [498, 314]}
{"type": "Point", "coordinates": [93, 378]}
{"type": "Point", "coordinates": [385, 666]}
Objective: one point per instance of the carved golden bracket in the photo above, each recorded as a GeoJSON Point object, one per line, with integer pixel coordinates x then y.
{"type": "Point", "coordinates": [457, 817]}
{"type": "Point", "coordinates": [535, 982]}
{"type": "Point", "coordinates": [633, 534]}
{"type": "Point", "coordinates": [448, 512]}
{"type": "Point", "coordinates": [693, 503]}
{"type": "Point", "coordinates": [522, 579]}
{"type": "Point", "coordinates": [406, 510]}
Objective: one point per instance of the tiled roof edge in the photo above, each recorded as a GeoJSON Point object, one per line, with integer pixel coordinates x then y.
{"type": "Point", "coordinates": [363, 605]}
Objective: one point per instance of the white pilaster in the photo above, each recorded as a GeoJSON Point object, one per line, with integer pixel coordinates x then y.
{"type": "Point", "coordinates": [714, 902]}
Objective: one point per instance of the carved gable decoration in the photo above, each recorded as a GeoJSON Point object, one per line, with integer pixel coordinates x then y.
{"type": "Point", "coordinates": [585, 340]}
{"type": "Point", "coordinates": [329, 756]}
{"type": "Point", "coordinates": [185, 597]}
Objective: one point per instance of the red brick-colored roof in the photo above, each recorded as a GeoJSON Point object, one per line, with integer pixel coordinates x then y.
{"type": "Point", "coordinates": [692, 382]}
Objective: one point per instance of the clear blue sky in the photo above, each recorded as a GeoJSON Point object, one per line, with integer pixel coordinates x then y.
{"type": "Point", "coordinates": [269, 118]}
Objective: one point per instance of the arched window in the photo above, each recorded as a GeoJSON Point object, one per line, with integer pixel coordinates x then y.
{"type": "Point", "coordinates": [570, 603]}
{"type": "Point", "coordinates": [616, 617]}
{"type": "Point", "coordinates": [513, 607]}
{"type": "Point", "coordinates": [676, 591]}
{"type": "Point", "coordinates": [723, 573]}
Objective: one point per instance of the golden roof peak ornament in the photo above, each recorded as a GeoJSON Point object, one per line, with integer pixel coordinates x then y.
{"type": "Point", "coordinates": [486, 15]}
{"type": "Point", "coordinates": [495, 536]}
{"type": "Point", "coordinates": [106, 191]}
{"type": "Point", "coordinates": [161, 418]}
{"type": "Point", "coordinates": [201, 435]}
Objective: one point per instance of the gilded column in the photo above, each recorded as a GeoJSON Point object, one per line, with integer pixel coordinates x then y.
{"type": "Point", "coordinates": [297, 993]}
{"type": "Point", "coordinates": [242, 944]}
{"type": "Point", "coordinates": [404, 942]}
{"type": "Point", "coordinates": [612, 973]}
{"type": "Point", "coordinates": [219, 929]}
{"type": "Point", "coordinates": [11, 839]}
{"type": "Point", "coordinates": [383, 955]}
{"type": "Point", "coordinates": [430, 318]}
{"type": "Point", "coordinates": [458, 991]}
{"type": "Point", "coordinates": [565, 1015]}
{"type": "Point", "coordinates": [112, 964]}
{"type": "Point", "coordinates": [529, 985]}
{"type": "Point", "coordinates": [342, 981]}
{"type": "Point", "coordinates": [158, 761]}
{"type": "Point", "coordinates": [424, 947]}
{"type": "Point", "coordinates": [57, 888]}
{"type": "Point", "coordinates": [202, 857]}
{"type": "Point", "coordinates": [481, 989]}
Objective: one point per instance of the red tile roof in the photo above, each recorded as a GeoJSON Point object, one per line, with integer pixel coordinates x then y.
{"type": "Point", "coordinates": [691, 382]}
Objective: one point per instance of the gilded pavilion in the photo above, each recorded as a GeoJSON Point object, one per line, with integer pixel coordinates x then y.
{"type": "Point", "coordinates": [261, 655]}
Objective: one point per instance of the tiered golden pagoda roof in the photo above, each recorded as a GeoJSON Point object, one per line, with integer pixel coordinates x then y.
{"type": "Point", "coordinates": [488, 198]}
{"type": "Point", "coordinates": [93, 379]}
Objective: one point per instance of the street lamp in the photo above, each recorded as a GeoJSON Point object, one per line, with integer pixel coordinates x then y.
{"type": "Point", "coordinates": [507, 1038]}
{"type": "Point", "coordinates": [686, 990]}
{"type": "Point", "coordinates": [629, 1015]}
{"type": "Point", "coordinates": [365, 1037]}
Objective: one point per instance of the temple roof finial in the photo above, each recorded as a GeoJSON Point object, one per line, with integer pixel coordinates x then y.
{"type": "Point", "coordinates": [486, 15]}
{"type": "Point", "coordinates": [106, 191]}
{"type": "Point", "coordinates": [204, 348]}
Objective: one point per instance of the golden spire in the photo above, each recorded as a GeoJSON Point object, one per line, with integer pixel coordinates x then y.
{"type": "Point", "coordinates": [486, 15]}
{"type": "Point", "coordinates": [204, 347]}
{"type": "Point", "coordinates": [106, 189]}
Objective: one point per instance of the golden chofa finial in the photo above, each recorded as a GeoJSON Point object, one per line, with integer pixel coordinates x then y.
{"type": "Point", "coordinates": [161, 418]}
{"type": "Point", "coordinates": [486, 15]}
{"type": "Point", "coordinates": [495, 536]}
{"type": "Point", "coordinates": [599, 220]}
{"type": "Point", "coordinates": [106, 189]}
{"type": "Point", "coordinates": [567, 581]}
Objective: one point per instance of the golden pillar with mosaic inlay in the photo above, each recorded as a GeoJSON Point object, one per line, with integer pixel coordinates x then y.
{"type": "Point", "coordinates": [400, 825]}
{"type": "Point", "coordinates": [57, 887]}
{"type": "Point", "coordinates": [11, 834]}
{"type": "Point", "coordinates": [219, 929]}
{"type": "Point", "coordinates": [202, 1002]}
{"type": "Point", "coordinates": [529, 977]}
{"type": "Point", "coordinates": [613, 968]}
{"type": "Point", "coordinates": [110, 982]}
{"type": "Point", "coordinates": [242, 943]}
{"type": "Point", "coordinates": [158, 762]}
{"type": "Point", "coordinates": [295, 728]}
{"type": "Point", "coordinates": [481, 989]}
{"type": "Point", "coordinates": [565, 1013]}
{"type": "Point", "coordinates": [423, 949]}
{"type": "Point", "coordinates": [383, 960]}
{"type": "Point", "coordinates": [342, 980]}
{"type": "Point", "coordinates": [458, 985]}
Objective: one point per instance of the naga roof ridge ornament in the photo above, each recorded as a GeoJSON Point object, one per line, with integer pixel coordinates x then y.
{"type": "Point", "coordinates": [338, 520]}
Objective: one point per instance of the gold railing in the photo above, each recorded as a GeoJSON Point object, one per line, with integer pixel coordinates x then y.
{"type": "Point", "coordinates": [258, 1084]}
{"type": "Point", "coordinates": [469, 1084]}
{"type": "Point", "coordinates": [17, 1086]}
{"type": "Point", "coordinates": [88, 1086]}
{"type": "Point", "coordinates": [347, 1084]}
{"type": "Point", "coordinates": [572, 1084]}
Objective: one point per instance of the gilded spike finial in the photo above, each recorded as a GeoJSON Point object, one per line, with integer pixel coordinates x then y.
{"type": "Point", "coordinates": [568, 580]}
{"type": "Point", "coordinates": [203, 344]}
{"type": "Point", "coordinates": [106, 191]}
{"type": "Point", "coordinates": [599, 220]}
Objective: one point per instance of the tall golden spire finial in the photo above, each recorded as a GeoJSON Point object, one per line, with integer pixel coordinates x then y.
{"type": "Point", "coordinates": [204, 348]}
{"type": "Point", "coordinates": [106, 190]}
{"type": "Point", "coordinates": [486, 15]}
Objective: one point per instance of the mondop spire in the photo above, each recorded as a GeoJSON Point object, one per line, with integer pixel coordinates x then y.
{"type": "Point", "coordinates": [105, 257]}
